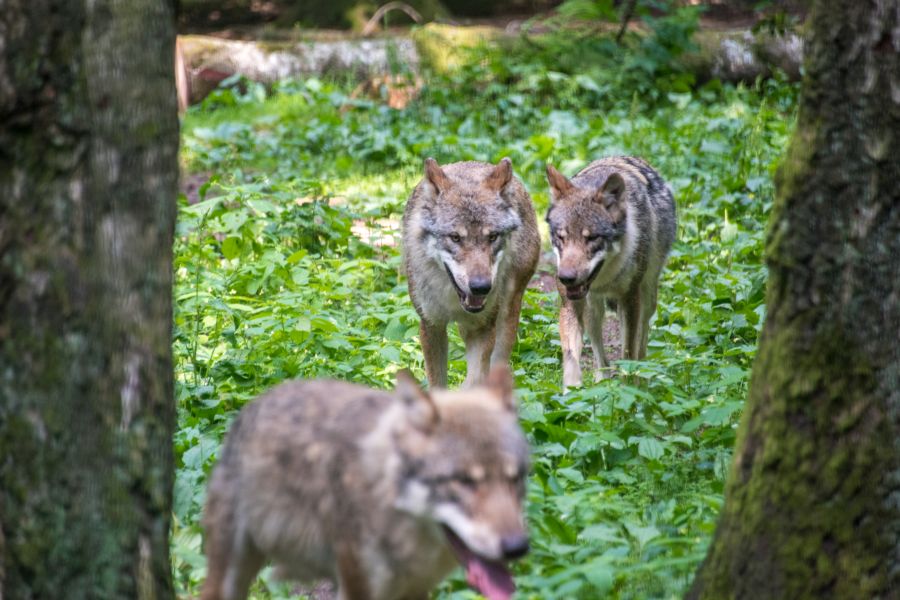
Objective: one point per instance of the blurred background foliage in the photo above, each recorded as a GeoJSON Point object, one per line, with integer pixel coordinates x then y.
{"type": "Point", "coordinates": [345, 14]}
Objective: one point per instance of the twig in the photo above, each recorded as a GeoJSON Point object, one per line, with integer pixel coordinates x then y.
{"type": "Point", "coordinates": [627, 13]}
{"type": "Point", "coordinates": [372, 23]}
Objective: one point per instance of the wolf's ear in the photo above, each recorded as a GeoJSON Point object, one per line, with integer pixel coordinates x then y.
{"type": "Point", "coordinates": [559, 183]}
{"type": "Point", "coordinates": [436, 175]}
{"type": "Point", "coordinates": [612, 196]}
{"type": "Point", "coordinates": [500, 381]}
{"type": "Point", "coordinates": [419, 405]}
{"type": "Point", "coordinates": [500, 176]}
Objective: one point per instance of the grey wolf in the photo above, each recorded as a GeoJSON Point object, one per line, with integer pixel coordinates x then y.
{"type": "Point", "coordinates": [612, 226]}
{"type": "Point", "coordinates": [383, 492]}
{"type": "Point", "coordinates": [470, 244]}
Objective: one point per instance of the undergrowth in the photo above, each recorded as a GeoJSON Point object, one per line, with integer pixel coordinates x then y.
{"type": "Point", "coordinates": [288, 267]}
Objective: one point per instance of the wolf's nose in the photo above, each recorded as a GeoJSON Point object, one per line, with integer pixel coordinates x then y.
{"type": "Point", "coordinates": [514, 546]}
{"type": "Point", "coordinates": [480, 286]}
{"type": "Point", "coordinates": [567, 277]}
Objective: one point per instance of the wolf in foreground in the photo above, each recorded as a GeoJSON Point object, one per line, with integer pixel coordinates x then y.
{"type": "Point", "coordinates": [612, 226]}
{"type": "Point", "coordinates": [470, 245]}
{"type": "Point", "coordinates": [383, 492]}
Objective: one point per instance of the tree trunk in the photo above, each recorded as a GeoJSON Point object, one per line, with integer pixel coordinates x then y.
{"type": "Point", "coordinates": [812, 506]}
{"type": "Point", "coordinates": [88, 180]}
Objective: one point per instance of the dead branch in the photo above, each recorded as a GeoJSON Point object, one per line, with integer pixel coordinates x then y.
{"type": "Point", "coordinates": [372, 24]}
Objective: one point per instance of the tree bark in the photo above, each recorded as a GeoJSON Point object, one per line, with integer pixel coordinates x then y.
{"type": "Point", "coordinates": [812, 506]}
{"type": "Point", "coordinates": [88, 180]}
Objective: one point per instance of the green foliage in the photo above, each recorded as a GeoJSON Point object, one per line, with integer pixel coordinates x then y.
{"type": "Point", "coordinates": [344, 13]}
{"type": "Point", "coordinates": [773, 19]}
{"type": "Point", "coordinates": [645, 63]}
{"type": "Point", "coordinates": [287, 266]}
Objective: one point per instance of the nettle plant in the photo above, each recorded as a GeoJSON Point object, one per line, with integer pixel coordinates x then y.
{"type": "Point", "coordinates": [287, 265]}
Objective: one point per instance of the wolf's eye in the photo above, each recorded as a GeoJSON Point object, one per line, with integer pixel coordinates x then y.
{"type": "Point", "coordinates": [467, 481]}
{"type": "Point", "coordinates": [455, 238]}
{"type": "Point", "coordinates": [493, 237]}
{"type": "Point", "coordinates": [592, 237]}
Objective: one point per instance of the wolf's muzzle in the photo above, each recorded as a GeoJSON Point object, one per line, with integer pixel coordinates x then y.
{"type": "Point", "coordinates": [473, 303]}
{"type": "Point", "coordinates": [514, 546]}
{"type": "Point", "coordinates": [480, 286]}
{"type": "Point", "coordinates": [577, 291]}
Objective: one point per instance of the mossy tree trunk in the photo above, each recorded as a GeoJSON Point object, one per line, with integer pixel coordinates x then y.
{"type": "Point", "coordinates": [812, 506]}
{"type": "Point", "coordinates": [88, 180]}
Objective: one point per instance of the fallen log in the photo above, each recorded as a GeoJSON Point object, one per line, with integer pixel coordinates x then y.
{"type": "Point", "coordinates": [209, 60]}
{"type": "Point", "coordinates": [742, 55]}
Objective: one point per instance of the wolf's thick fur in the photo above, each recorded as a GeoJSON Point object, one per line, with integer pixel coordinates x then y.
{"type": "Point", "coordinates": [612, 226]}
{"type": "Point", "coordinates": [470, 244]}
{"type": "Point", "coordinates": [373, 489]}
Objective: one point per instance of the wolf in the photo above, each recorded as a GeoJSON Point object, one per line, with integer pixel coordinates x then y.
{"type": "Point", "coordinates": [383, 492]}
{"type": "Point", "coordinates": [611, 226]}
{"type": "Point", "coordinates": [471, 245]}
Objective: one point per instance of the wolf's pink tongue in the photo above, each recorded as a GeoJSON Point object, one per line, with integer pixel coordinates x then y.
{"type": "Point", "coordinates": [490, 578]}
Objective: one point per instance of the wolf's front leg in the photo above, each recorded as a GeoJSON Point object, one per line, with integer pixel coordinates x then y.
{"type": "Point", "coordinates": [648, 307]}
{"type": "Point", "coordinates": [631, 322]}
{"type": "Point", "coordinates": [507, 324]}
{"type": "Point", "coordinates": [595, 314]}
{"type": "Point", "coordinates": [570, 337]}
{"type": "Point", "coordinates": [479, 342]}
{"type": "Point", "coordinates": [243, 565]}
{"type": "Point", "coordinates": [434, 348]}
{"type": "Point", "coordinates": [352, 581]}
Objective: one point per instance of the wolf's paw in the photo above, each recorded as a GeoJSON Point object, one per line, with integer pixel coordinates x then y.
{"type": "Point", "coordinates": [601, 373]}
{"type": "Point", "coordinates": [571, 381]}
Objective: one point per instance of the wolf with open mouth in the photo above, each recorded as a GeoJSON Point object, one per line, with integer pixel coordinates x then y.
{"type": "Point", "coordinates": [384, 492]}
{"type": "Point", "coordinates": [611, 226]}
{"type": "Point", "coordinates": [470, 245]}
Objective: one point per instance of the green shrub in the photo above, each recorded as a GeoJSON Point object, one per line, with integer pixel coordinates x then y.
{"type": "Point", "coordinates": [287, 266]}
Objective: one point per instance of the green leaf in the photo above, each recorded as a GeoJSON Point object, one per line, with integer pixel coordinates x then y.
{"type": "Point", "coordinates": [650, 448]}
{"type": "Point", "coordinates": [395, 330]}
{"type": "Point", "coordinates": [297, 256]}
{"type": "Point", "coordinates": [600, 574]}
{"type": "Point", "coordinates": [302, 323]}
{"type": "Point", "coordinates": [390, 353]}
{"type": "Point", "coordinates": [642, 534]}
{"type": "Point", "coordinates": [571, 474]}
{"type": "Point", "coordinates": [601, 533]}
{"type": "Point", "coordinates": [231, 247]}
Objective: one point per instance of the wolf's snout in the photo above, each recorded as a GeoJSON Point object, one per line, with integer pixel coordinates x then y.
{"type": "Point", "coordinates": [480, 286]}
{"type": "Point", "coordinates": [568, 277]}
{"type": "Point", "coordinates": [514, 546]}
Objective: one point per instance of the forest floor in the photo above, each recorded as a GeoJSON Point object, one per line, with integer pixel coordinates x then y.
{"type": "Point", "coordinates": [288, 266]}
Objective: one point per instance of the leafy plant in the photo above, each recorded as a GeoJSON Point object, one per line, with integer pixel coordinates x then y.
{"type": "Point", "coordinates": [287, 265]}
{"type": "Point", "coordinates": [773, 19]}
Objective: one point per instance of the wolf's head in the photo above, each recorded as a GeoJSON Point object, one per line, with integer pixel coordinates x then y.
{"type": "Point", "coordinates": [465, 460]}
{"type": "Point", "coordinates": [586, 228]}
{"type": "Point", "coordinates": [467, 220]}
